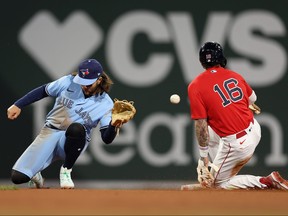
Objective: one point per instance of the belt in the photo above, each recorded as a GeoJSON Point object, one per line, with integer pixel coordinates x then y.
{"type": "Point", "coordinates": [242, 133]}
{"type": "Point", "coordinates": [52, 127]}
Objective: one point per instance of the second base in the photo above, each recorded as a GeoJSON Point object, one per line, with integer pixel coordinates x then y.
{"type": "Point", "coordinates": [191, 187]}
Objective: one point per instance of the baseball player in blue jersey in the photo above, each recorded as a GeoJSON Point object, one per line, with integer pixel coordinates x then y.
{"type": "Point", "coordinates": [82, 102]}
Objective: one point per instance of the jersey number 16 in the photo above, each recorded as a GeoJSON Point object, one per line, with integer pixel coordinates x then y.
{"type": "Point", "coordinates": [233, 92]}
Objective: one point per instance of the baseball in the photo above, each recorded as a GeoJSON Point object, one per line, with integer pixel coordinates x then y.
{"type": "Point", "coordinates": [175, 99]}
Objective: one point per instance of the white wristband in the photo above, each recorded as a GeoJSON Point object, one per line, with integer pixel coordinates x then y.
{"type": "Point", "coordinates": [203, 151]}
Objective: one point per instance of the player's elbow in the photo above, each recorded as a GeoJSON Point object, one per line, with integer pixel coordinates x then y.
{"type": "Point", "coordinates": [107, 138]}
{"type": "Point", "coordinates": [107, 141]}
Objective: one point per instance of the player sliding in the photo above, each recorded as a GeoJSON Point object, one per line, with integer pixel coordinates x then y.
{"type": "Point", "coordinates": [226, 130]}
{"type": "Point", "coordinates": [82, 102]}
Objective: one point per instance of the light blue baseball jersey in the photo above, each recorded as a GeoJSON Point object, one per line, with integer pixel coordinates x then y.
{"type": "Point", "coordinates": [70, 106]}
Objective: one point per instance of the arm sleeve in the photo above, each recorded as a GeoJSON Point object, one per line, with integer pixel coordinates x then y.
{"type": "Point", "coordinates": [108, 134]}
{"type": "Point", "coordinates": [252, 98]}
{"type": "Point", "coordinates": [32, 96]}
{"type": "Point", "coordinates": [251, 94]}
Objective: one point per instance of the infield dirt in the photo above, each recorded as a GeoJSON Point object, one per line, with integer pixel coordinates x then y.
{"type": "Point", "coordinates": [142, 202]}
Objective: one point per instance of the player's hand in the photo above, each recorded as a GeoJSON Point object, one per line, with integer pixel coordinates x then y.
{"type": "Point", "coordinates": [13, 112]}
{"type": "Point", "coordinates": [205, 178]}
{"type": "Point", "coordinates": [254, 108]}
{"type": "Point", "coordinates": [122, 112]}
{"type": "Point", "coordinates": [205, 161]}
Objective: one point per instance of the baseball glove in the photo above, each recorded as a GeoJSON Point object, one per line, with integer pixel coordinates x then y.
{"type": "Point", "coordinates": [256, 109]}
{"type": "Point", "coordinates": [122, 112]}
{"type": "Point", "coordinates": [205, 178]}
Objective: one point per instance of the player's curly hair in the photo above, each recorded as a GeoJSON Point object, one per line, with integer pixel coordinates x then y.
{"type": "Point", "coordinates": [106, 83]}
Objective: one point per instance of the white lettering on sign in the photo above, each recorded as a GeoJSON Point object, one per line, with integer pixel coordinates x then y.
{"type": "Point", "coordinates": [260, 47]}
{"type": "Point", "coordinates": [119, 49]}
{"type": "Point", "coordinates": [238, 32]}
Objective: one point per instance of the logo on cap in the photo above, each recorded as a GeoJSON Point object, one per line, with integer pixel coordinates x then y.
{"type": "Point", "coordinates": [208, 57]}
{"type": "Point", "coordinates": [84, 72]}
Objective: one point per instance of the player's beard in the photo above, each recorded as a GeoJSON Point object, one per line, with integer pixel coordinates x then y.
{"type": "Point", "coordinates": [90, 91]}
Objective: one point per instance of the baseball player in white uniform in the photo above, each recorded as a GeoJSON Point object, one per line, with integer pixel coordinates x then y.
{"type": "Point", "coordinates": [226, 129]}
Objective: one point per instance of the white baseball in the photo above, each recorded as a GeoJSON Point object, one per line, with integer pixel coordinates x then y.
{"type": "Point", "coordinates": [175, 99]}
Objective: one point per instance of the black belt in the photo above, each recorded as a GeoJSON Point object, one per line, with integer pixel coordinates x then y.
{"type": "Point", "coordinates": [52, 127]}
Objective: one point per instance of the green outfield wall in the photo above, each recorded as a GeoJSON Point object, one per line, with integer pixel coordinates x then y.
{"type": "Point", "coordinates": [150, 50]}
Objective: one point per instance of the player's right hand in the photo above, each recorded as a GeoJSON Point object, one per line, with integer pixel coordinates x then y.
{"type": "Point", "coordinates": [13, 112]}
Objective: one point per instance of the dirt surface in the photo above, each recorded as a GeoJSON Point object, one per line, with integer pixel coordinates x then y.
{"type": "Point", "coordinates": [142, 202]}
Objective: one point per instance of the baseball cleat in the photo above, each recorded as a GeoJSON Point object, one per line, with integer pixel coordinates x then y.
{"type": "Point", "coordinates": [36, 181]}
{"type": "Point", "coordinates": [275, 181]}
{"type": "Point", "coordinates": [65, 178]}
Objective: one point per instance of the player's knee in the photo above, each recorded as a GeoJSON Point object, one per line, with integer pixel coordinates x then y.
{"type": "Point", "coordinates": [75, 138]}
{"type": "Point", "coordinates": [75, 130]}
{"type": "Point", "coordinates": [18, 177]}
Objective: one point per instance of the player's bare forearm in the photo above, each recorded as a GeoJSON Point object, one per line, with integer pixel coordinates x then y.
{"type": "Point", "coordinates": [201, 128]}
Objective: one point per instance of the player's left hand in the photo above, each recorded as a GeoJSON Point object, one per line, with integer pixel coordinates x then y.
{"type": "Point", "coordinates": [205, 178]}
{"type": "Point", "coordinates": [13, 112]}
{"type": "Point", "coordinates": [122, 112]}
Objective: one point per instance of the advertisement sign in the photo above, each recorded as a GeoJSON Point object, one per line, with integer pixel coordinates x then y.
{"type": "Point", "coordinates": [150, 50]}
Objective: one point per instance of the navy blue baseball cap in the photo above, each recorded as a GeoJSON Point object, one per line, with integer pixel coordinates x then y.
{"type": "Point", "coordinates": [89, 71]}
